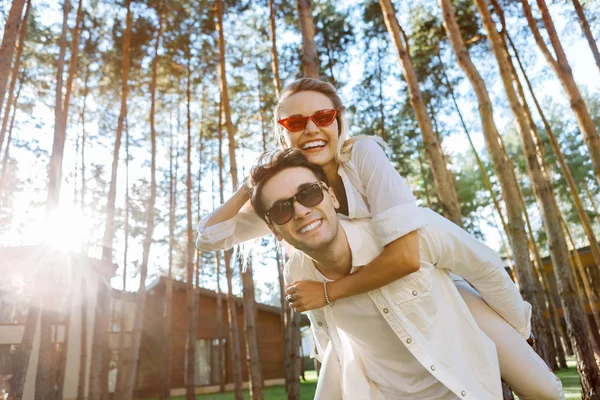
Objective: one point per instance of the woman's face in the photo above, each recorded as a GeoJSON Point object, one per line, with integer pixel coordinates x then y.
{"type": "Point", "coordinates": [318, 144]}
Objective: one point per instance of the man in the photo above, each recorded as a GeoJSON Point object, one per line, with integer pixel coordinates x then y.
{"type": "Point", "coordinates": [414, 338]}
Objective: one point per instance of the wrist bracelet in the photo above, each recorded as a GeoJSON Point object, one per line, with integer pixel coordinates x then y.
{"type": "Point", "coordinates": [327, 297]}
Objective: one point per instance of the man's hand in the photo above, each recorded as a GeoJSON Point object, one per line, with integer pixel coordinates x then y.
{"type": "Point", "coordinates": [305, 295]}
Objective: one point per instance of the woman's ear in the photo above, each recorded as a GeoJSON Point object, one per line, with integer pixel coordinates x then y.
{"type": "Point", "coordinates": [334, 200]}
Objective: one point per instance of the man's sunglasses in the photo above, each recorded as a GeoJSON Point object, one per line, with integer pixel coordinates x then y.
{"type": "Point", "coordinates": [309, 196]}
{"type": "Point", "coordinates": [298, 123]}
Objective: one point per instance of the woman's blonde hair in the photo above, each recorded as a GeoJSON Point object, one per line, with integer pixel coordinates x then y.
{"type": "Point", "coordinates": [314, 85]}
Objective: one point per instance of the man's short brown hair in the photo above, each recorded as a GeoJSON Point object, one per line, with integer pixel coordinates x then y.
{"type": "Point", "coordinates": [270, 164]}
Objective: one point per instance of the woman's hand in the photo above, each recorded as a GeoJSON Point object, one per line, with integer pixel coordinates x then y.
{"type": "Point", "coordinates": [305, 295]}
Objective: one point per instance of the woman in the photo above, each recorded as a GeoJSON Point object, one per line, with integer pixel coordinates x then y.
{"type": "Point", "coordinates": [310, 117]}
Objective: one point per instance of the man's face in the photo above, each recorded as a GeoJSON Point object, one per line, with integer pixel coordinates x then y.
{"type": "Point", "coordinates": [311, 228]}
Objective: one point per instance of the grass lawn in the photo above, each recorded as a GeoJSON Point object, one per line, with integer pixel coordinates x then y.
{"type": "Point", "coordinates": [569, 378]}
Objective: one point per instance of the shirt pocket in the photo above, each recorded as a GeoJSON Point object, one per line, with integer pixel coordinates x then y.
{"type": "Point", "coordinates": [415, 298]}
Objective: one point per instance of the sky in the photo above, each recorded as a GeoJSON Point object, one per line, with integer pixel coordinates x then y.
{"type": "Point", "coordinates": [69, 226]}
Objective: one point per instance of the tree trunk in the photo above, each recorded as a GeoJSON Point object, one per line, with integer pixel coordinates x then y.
{"type": "Point", "coordinates": [72, 63]}
{"type": "Point", "coordinates": [99, 365]}
{"type": "Point", "coordinates": [9, 41]}
{"type": "Point", "coordinates": [585, 27]}
{"type": "Point", "coordinates": [61, 368]}
{"type": "Point", "coordinates": [252, 347]}
{"type": "Point", "coordinates": [15, 73]}
{"type": "Point", "coordinates": [274, 56]}
{"type": "Point", "coordinates": [565, 75]}
{"type": "Point", "coordinates": [285, 321]}
{"type": "Point", "coordinates": [6, 157]}
{"type": "Point", "coordinates": [190, 385]}
{"type": "Point", "coordinates": [441, 176]}
{"type": "Point", "coordinates": [574, 314]}
{"type": "Point", "coordinates": [380, 93]}
{"type": "Point", "coordinates": [58, 146]}
{"type": "Point", "coordinates": [256, 379]}
{"type": "Point", "coordinates": [504, 169]}
{"type": "Point", "coordinates": [294, 333]}
{"type": "Point", "coordinates": [22, 355]}
{"type": "Point", "coordinates": [129, 384]}
{"type": "Point", "coordinates": [124, 360]}
{"type": "Point", "coordinates": [309, 58]}
{"type": "Point", "coordinates": [44, 384]}
{"type": "Point", "coordinates": [83, 140]}
{"type": "Point", "coordinates": [83, 349]}
{"type": "Point", "coordinates": [564, 168]}
{"type": "Point", "coordinates": [168, 306]}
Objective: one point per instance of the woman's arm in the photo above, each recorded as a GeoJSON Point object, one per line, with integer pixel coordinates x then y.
{"type": "Point", "coordinates": [396, 219]}
{"type": "Point", "coordinates": [230, 208]}
{"type": "Point", "coordinates": [232, 223]}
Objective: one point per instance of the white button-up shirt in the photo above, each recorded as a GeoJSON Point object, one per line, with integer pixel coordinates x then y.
{"type": "Point", "coordinates": [425, 310]}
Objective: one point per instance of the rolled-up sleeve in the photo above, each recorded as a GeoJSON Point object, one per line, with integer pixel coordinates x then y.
{"type": "Point", "coordinates": [455, 250]}
{"type": "Point", "coordinates": [393, 207]}
{"type": "Point", "coordinates": [246, 225]}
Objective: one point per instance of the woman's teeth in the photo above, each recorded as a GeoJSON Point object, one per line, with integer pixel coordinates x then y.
{"type": "Point", "coordinates": [316, 143]}
{"type": "Point", "coordinates": [311, 227]}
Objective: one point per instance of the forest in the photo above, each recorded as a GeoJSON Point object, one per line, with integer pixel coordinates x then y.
{"type": "Point", "coordinates": [124, 122]}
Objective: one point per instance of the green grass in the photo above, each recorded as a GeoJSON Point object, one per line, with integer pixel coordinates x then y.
{"type": "Point", "coordinates": [569, 378]}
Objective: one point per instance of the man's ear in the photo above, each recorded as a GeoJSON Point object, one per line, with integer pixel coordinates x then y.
{"type": "Point", "coordinates": [275, 232]}
{"type": "Point", "coordinates": [334, 200]}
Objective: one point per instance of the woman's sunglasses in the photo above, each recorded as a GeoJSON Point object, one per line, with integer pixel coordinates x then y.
{"type": "Point", "coordinates": [298, 123]}
{"type": "Point", "coordinates": [309, 196]}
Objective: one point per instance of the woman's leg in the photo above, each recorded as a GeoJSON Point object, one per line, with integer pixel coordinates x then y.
{"type": "Point", "coordinates": [521, 368]}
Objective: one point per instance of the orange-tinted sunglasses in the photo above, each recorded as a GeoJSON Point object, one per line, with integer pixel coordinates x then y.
{"type": "Point", "coordinates": [298, 123]}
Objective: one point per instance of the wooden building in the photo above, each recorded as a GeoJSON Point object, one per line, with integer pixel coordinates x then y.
{"type": "Point", "coordinates": [207, 376]}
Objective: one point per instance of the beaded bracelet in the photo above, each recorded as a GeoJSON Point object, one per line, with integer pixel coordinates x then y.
{"type": "Point", "coordinates": [327, 297]}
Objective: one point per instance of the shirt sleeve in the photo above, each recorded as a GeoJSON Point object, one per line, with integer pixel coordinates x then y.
{"type": "Point", "coordinates": [244, 226]}
{"type": "Point", "coordinates": [455, 250]}
{"type": "Point", "coordinates": [393, 207]}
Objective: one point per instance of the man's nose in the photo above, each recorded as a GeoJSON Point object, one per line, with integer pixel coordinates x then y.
{"type": "Point", "coordinates": [300, 210]}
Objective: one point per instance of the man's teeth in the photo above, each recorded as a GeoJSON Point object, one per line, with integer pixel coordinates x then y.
{"type": "Point", "coordinates": [310, 227]}
{"type": "Point", "coordinates": [316, 143]}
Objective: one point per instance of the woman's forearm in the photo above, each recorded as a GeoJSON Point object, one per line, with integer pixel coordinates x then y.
{"type": "Point", "coordinates": [230, 208]}
{"type": "Point", "coordinates": [397, 260]}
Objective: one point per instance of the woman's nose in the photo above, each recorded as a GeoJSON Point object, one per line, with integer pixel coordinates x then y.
{"type": "Point", "coordinates": [311, 127]}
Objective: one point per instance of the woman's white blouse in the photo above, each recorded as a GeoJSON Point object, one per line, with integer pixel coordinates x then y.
{"type": "Point", "coordinates": [373, 189]}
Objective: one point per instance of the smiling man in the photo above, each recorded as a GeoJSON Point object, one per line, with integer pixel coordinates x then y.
{"type": "Point", "coordinates": [414, 338]}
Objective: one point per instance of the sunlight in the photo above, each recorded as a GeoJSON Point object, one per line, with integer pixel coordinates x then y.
{"type": "Point", "coordinates": [65, 229]}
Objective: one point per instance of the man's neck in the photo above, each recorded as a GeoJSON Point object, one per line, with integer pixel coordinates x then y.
{"type": "Point", "coordinates": [334, 261]}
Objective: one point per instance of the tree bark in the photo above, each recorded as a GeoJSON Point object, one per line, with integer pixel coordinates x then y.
{"type": "Point", "coordinates": [274, 56]}
{"type": "Point", "coordinates": [442, 178]}
{"type": "Point", "coordinates": [564, 168]}
{"type": "Point", "coordinates": [563, 71]}
{"type": "Point", "coordinates": [309, 58]}
{"type": "Point", "coordinates": [190, 386]}
{"type": "Point", "coordinates": [574, 313]}
{"type": "Point", "coordinates": [23, 353]}
{"type": "Point", "coordinates": [6, 157]}
{"type": "Point", "coordinates": [255, 371]}
{"type": "Point", "coordinates": [62, 359]}
{"type": "Point", "coordinates": [587, 32]}
{"type": "Point", "coordinates": [252, 347]}
{"type": "Point", "coordinates": [83, 349]}
{"type": "Point", "coordinates": [504, 169]}
{"type": "Point", "coordinates": [9, 41]}
{"type": "Point", "coordinates": [141, 296]}
{"type": "Point", "coordinates": [285, 321]}
{"type": "Point", "coordinates": [99, 364]}
{"type": "Point", "coordinates": [15, 73]}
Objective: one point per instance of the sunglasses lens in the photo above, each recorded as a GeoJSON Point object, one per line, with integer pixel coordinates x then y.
{"type": "Point", "coordinates": [281, 213]}
{"type": "Point", "coordinates": [324, 118]}
{"type": "Point", "coordinates": [294, 124]}
{"type": "Point", "coordinates": [310, 196]}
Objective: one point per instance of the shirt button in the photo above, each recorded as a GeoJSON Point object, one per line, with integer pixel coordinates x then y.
{"type": "Point", "coordinates": [320, 323]}
{"type": "Point", "coordinates": [415, 293]}
{"type": "Point", "coordinates": [409, 340]}
{"type": "Point", "coordinates": [385, 310]}
{"type": "Point", "coordinates": [433, 367]}
{"type": "Point", "coordinates": [463, 393]}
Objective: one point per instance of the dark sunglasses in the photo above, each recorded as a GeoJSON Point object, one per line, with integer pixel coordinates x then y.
{"type": "Point", "coordinates": [298, 123]}
{"type": "Point", "coordinates": [309, 196]}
